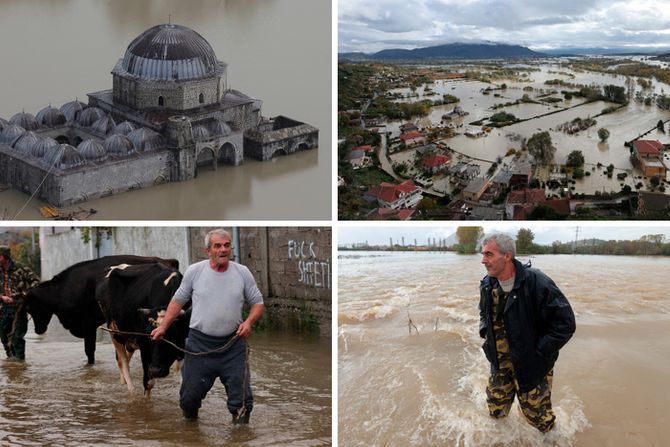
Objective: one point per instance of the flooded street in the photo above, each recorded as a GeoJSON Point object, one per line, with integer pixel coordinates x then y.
{"type": "Point", "coordinates": [624, 124]}
{"type": "Point", "coordinates": [63, 50]}
{"type": "Point", "coordinates": [55, 399]}
{"type": "Point", "coordinates": [427, 387]}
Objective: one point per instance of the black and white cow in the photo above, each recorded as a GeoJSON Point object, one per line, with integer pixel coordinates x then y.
{"type": "Point", "coordinates": [133, 299]}
{"type": "Point", "coordinates": [70, 295]}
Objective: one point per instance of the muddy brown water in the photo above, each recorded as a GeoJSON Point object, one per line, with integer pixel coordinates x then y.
{"type": "Point", "coordinates": [276, 50]}
{"type": "Point", "coordinates": [55, 399]}
{"type": "Point", "coordinates": [428, 388]}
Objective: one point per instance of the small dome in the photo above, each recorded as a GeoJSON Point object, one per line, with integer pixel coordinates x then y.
{"type": "Point", "coordinates": [119, 144]}
{"type": "Point", "coordinates": [11, 133]}
{"type": "Point", "coordinates": [169, 52]}
{"type": "Point", "coordinates": [89, 116]}
{"type": "Point", "coordinates": [92, 150]}
{"type": "Point", "coordinates": [42, 147]}
{"type": "Point", "coordinates": [200, 133]}
{"type": "Point", "coordinates": [25, 142]}
{"type": "Point", "coordinates": [104, 125]}
{"type": "Point", "coordinates": [25, 120]}
{"type": "Point", "coordinates": [220, 127]}
{"type": "Point", "coordinates": [51, 116]}
{"type": "Point", "coordinates": [64, 156]}
{"type": "Point", "coordinates": [124, 128]}
{"type": "Point", "coordinates": [145, 139]}
{"type": "Point", "coordinates": [72, 109]}
{"type": "Point", "coordinates": [3, 123]}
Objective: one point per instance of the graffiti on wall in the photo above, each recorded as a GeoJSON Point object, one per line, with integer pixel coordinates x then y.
{"type": "Point", "coordinates": [311, 270]}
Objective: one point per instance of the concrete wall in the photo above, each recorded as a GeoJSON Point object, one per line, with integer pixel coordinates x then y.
{"type": "Point", "coordinates": [293, 269]}
{"type": "Point", "coordinates": [62, 247]}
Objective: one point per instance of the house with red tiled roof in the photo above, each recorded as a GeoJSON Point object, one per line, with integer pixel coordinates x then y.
{"type": "Point", "coordinates": [522, 201]}
{"type": "Point", "coordinates": [647, 154]}
{"type": "Point", "coordinates": [413, 137]}
{"type": "Point", "coordinates": [390, 214]}
{"type": "Point", "coordinates": [436, 163]}
{"type": "Point", "coordinates": [388, 195]}
{"type": "Point", "coordinates": [408, 127]}
{"type": "Point", "coordinates": [365, 148]}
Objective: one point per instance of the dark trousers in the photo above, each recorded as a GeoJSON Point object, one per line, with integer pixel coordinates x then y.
{"type": "Point", "coordinates": [200, 372]}
{"type": "Point", "coordinates": [13, 328]}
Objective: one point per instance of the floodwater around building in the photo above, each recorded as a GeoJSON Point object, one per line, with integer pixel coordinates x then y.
{"type": "Point", "coordinates": [56, 399]}
{"type": "Point", "coordinates": [63, 50]}
{"type": "Point", "coordinates": [428, 387]}
{"type": "Point", "coordinates": [624, 125]}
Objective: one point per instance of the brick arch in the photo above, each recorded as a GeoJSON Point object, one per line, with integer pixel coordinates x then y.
{"type": "Point", "coordinates": [227, 153]}
{"type": "Point", "coordinates": [205, 157]}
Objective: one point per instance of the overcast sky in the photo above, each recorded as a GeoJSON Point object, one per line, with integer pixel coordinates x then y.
{"type": "Point", "coordinates": [373, 25]}
{"type": "Point", "coordinates": [544, 235]}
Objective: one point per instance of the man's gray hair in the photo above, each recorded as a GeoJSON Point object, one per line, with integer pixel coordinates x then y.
{"type": "Point", "coordinates": [219, 232]}
{"type": "Point", "coordinates": [505, 242]}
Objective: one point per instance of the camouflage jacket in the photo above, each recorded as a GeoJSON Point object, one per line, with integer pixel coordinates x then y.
{"type": "Point", "coordinates": [21, 279]}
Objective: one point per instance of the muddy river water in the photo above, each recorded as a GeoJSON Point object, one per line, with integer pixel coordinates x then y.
{"type": "Point", "coordinates": [54, 399]}
{"type": "Point", "coordinates": [63, 50]}
{"type": "Point", "coordinates": [428, 387]}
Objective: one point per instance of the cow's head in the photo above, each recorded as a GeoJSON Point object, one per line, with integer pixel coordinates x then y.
{"type": "Point", "coordinates": [39, 309]}
{"type": "Point", "coordinates": [163, 354]}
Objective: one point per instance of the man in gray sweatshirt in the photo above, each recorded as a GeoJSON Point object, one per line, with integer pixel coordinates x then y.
{"type": "Point", "coordinates": [218, 288]}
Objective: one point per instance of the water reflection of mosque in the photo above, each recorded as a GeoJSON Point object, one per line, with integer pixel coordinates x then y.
{"type": "Point", "coordinates": [168, 112]}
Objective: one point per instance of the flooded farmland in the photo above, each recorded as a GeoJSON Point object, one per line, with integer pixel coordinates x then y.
{"type": "Point", "coordinates": [54, 399]}
{"type": "Point", "coordinates": [624, 124]}
{"type": "Point", "coordinates": [427, 387]}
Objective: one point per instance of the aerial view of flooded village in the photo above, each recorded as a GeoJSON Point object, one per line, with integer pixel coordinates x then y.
{"type": "Point", "coordinates": [524, 110]}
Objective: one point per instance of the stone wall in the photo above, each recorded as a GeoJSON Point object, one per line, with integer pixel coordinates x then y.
{"type": "Point", "coordinates": [286, 137]}
{"type": "Point", "coordinates": [293, 269]}
{"type": "Point", "coordinates": [183, 95]}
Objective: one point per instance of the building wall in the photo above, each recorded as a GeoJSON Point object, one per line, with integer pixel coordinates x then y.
{"type": "Point", "coordinates": [293, 269]}
{"type": "Point", "coordinates": [183, 95]}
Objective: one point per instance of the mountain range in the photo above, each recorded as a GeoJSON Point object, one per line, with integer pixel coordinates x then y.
{"type": "Point", "coordinates": [449, 51]}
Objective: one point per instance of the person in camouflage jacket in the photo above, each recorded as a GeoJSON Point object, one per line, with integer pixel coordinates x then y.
{"type": "Point", "coordinates": [15, 280]}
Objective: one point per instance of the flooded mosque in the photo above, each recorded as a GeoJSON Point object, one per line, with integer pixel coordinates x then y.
{"type": "Point", "coordinates": [168, 112]}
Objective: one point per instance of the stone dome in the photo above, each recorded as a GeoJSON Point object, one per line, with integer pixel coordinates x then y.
{"type": "Point", "coordinates": [25, 142]}
{"type": "Point", "coordinates": [123, 128]}
{"type": "Point", "coordinates": [89, 116]}
{"type": "Point", "coordinates": [43, 146]}
{"type": "Point", "coordinates": [64, 156]}
{"type": "Point", "coordinates": [145, 139]}
{"type": "Point", "coordinates": [104, 125]}
{"type": "Point", "coordinates": [219, 127]}
{"type": "Point", "coordinates": [72, 109]}
{"type": "Point", "coordinates": [25, 120]}
{"type": "Point", "coordinates": [200, 133]}
{"type": "Point", "coordinates": [50, 116]}
{"type": "Point", "coordinates": [169, 52]}
{"type": "Point", "coordinates": [92, 150]}
{"type": "Point", "coordinates": [3, 123]}
{"type": "Point", "coordinates": [119, 144]}
{"type": "Point", "coordinates": [11, 133]}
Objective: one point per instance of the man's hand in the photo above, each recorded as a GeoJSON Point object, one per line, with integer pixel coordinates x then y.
{"type": "Point", "coordinates": [244, 330]}
{"type": "Point", "coordinates": [158, 333]}
{"type": "Point", "coordinates": [7, 299]}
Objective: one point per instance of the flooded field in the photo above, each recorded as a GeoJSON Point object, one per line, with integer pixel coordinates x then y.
{"type": "Point", "coordinates": [428, 387]}
{"type": "Point", "coordinates": [55, 399]}
{"type": "Point", "coordinates": [623, 125]}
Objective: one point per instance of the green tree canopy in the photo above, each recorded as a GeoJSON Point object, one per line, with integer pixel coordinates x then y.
{"type": "Point", "coordinates": [524, 240]}
{"type": "Point", "coordinates": [603, 134]}
{"type": "Point", "coordinates": [468, 238]}
{"type": "Point", "coordinates": [575, 159]}
{"type": "Point", "coordinates": [541, 147]}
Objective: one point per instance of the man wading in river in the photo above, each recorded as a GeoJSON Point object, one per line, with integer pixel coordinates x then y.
{"type": "Point", "coordinates": [218, 287]}
{"type": "Point", "coordinates": [525, 320]}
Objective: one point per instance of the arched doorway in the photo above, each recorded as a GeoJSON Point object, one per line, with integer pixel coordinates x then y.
{"type": "Point", "coordinates": [227, 154]}
{"type": "Point", "coordinates": [62, 139]}
{"type": "Point", "coordinates": [206, 159]}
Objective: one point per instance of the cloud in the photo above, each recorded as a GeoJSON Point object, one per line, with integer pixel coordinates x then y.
{"type": "Point", "coordinates": [372, 25]}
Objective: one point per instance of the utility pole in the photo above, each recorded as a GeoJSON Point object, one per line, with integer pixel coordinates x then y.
{"type": "Point", "coordinates": [574, 244]}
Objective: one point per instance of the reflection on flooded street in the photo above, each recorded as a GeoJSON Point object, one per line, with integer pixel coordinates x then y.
{"type": "Point", "coordinates": [428, 387]}
{"type": "Point", "coordinates": [55, 399]}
